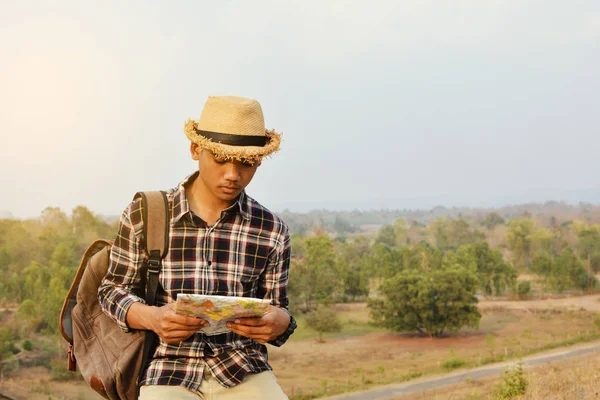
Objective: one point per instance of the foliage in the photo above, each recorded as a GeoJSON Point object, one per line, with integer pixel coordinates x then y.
{"type": "Point", "coordinates": [518, 240]}
{"type": "Point", "coordinates": [322, 320]}
{"type": "Point", "coordinates": [27, 345]}
{"type": "Point", "coordinates": [492, 219]}
{"type": "Point", "coordinates": [431, 302]}
{"type": "Point", "coordinates": [494, 274]}
{"type": "Point", "coordinates": [514, 383]}
{"type": "Point", "coordinates": [450, 234]}
{"type": "Point", "coordinates": [563, 272]}
{"type": "Point", "coordinates": [319, 276]}
{"type": "Point", "coordinates": [524, 288]}
{"type": "Point", "coordinates": [454, 363]}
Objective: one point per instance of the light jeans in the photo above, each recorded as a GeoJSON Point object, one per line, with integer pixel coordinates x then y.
{"type": "Point", "coordinates": [262, 386]}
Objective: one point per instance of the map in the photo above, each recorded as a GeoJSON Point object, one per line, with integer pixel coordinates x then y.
{"type": "Point", "coordinates": [218, 310]}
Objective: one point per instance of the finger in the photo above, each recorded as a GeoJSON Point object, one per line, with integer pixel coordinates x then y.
{"type": "Point", "coordinates": [249, 331]}
{"type": "Point", "coordinates": [185, 319]}
{"type": "Point", "coordinates": [250, 321]}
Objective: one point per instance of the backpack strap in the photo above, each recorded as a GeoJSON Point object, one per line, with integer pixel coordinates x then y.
{"type": "Point", "coordinates": [156, 220]}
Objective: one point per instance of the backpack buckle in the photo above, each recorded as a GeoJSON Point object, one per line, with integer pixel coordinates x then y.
{"type": "Point", "coordinates": [153, 266]}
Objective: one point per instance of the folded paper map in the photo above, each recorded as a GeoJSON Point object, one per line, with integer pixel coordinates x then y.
{"type": "Point", "coordinates": [218, 310]}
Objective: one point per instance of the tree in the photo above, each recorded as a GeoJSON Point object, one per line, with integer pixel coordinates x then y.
{"type": "Point", "coordinates": [450, 234]}
{"type": "Point", "coordinates": [518, 239]}
{"type": "Point", "coordinates": [431, 302]}
{"type": "Point", "coordinates": [386, 236]}
{"type": "Point", "coordinates": [589, 239]}
{"type": "Point", "coordinates": [492, 219]}
{"type": "Point", "coordinates": [319, 275]}
{"type": "Point", "coordinates": [352, 257]}
{"type": "Point", "coordinates": [322, 320]}
{"type": "Point", "coordinates": [563, 272]}
{"type": "Point", "coordinates": [401, 232]}
{"type": "Point", "coordinates": [494, 274]}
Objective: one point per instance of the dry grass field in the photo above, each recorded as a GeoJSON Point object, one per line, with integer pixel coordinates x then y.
{"type": "Point", "coordinates": [574, 379]}
{"type": "Point", "coordinates": [362, 357]}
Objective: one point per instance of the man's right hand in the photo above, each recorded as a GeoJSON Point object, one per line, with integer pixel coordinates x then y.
{"type": "Point", "coordinates": [173, 327]}
{"type": "Point", "coordinates": [170, 326]}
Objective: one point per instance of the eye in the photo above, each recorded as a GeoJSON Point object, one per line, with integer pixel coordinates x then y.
{"type": "Point", "coordinates": [248, 164]}
{"type": "Point", "coordinates": [220, 160]}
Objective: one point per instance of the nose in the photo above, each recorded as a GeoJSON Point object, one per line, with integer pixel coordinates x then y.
{"type": "Point", "coordinates": [232, 172]}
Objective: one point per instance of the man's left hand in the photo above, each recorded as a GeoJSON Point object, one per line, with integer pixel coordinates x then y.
{"type": "Point", "coordinates": [264, 329]}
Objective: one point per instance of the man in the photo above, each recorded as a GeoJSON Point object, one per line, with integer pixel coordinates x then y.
{"type": "Point", "coordinates": [222, 242]}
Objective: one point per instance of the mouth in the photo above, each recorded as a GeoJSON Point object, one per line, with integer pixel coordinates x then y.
{"type": "Point", "coordinates": [229, 189]}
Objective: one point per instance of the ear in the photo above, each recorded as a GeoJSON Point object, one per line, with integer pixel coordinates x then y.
{"type": "Point", "coordinates": [195, 151]}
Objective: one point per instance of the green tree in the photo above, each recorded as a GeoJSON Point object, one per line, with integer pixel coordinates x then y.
{"type": "Point", "coordinates": [400, 232]}
{"type": "Point", "coordinates": [352, 257]}
{"type": "Point", "coordinates": [563, 272]}
{"type": "Point", "coordinates": [450, 234]}
{"type": "Point", "coordinates": [589, 239]}
{"type": "Point", "coordinates": [386, 236]}
{"type": "Point", "coordinates": [431, 302]}
{"type": "Point", "coordinates": [492, 219]}
{"type": "Point", "coordinates": [322, 320]}
{"type": "Point", "coordinates": [322, 275]}
{"type": "Point", "coordinates": [518, 240]}
{"type": "Point", "coordinates": [494, 274]}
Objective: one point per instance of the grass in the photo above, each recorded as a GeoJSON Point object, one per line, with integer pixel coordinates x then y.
{"type": "Point", "coordinates": [362, 356]}
{"type": "Point", "coordinates": [354, 323]}
{"type": "Point", "coordinates": [571, 379]}
{"type": "Point", "coordinates": [517, 333]}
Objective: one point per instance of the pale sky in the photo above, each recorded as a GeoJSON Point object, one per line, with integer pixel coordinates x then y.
{"type": "Point", "coordinates": [398, 104]}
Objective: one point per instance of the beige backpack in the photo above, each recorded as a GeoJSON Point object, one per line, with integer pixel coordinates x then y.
{"type": "Point", "coordinates": [111, 361]}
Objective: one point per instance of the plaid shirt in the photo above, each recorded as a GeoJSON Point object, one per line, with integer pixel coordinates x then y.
{"type": "Point", "coordinates": [245, 253]}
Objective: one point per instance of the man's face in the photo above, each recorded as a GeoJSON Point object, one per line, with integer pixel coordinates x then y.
{"type": "Point", "coordinates": [224, 179]}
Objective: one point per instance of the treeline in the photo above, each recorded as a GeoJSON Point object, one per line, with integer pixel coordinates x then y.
{"type": "Point", "coordinates": [416, 276]}
{"type": "Point", "coordinates": [428, 278]}
{"type": "Point", "coordinates": [353, 221]}
{"type": "Point", "coordinates": [38, 260]}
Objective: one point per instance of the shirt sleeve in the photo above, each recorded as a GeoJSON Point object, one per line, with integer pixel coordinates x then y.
{"type": "Point", "coordinates": [123, 280]}
{"type": "Point", "coordinates": [275, 278]}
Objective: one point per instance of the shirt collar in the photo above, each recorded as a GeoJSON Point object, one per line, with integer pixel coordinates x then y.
{"type": "Point", "coordinates": [181, 206]}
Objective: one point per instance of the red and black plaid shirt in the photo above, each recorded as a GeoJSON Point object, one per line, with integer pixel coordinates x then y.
{"type": "Point", "coordinates": [245, 253]}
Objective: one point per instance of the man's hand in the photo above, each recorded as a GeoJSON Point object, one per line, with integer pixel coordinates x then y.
{"type": "Point", "coordinates": [263, 329]}
{"type": "Point", "coordinates": [173, 327]}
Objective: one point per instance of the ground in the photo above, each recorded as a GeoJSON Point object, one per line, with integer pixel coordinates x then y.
{"type": "Point", "coordinates": [362, 357]}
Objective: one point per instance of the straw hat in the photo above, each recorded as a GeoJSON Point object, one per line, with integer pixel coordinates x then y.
{"type": "Point", "coordinates": [233, 128]}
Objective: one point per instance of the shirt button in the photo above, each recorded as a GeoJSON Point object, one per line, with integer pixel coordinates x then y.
{"type": "Point", "coordinates": [209, 263]}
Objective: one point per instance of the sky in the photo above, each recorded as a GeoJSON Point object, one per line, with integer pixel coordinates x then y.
{"type": "Point", "coordinates": [382, 104]}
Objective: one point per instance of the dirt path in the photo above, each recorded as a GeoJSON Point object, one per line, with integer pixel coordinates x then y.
{"type": "Point", "coordinates": [589, 302]}
{"type": "Point", "coordinates": [396, 391]}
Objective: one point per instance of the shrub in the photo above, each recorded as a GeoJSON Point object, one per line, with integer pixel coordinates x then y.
{"type": "Point", "coordinates": [453, 364]}
{"type": "Point", "coordinates": [323, 319]}
{"type": "Point", "coordinates": [514, 383]}
{"type": "Point", "coordinates": [27, 345]}
{"type": "Point", "coordinates": [524, 288]}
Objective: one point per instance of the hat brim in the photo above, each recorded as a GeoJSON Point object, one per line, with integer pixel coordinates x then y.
{"type": "Point", "coordinates": [228, 152]}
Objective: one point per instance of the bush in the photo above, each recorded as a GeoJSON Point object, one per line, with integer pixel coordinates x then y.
{"type": "Point", "coordinates": [514, 384]}
{"type": "Point", "coordinates": [453, 364]}
{"type": "Point", "coordinates": [524, 288]}
{"type": "Point", "coordinates": [27, 345]}
{"type": "Point", "coordinates": [323, 319]}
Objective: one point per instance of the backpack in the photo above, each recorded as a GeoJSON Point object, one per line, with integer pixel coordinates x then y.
{"type": "Point", "coordinates": [111, 361]}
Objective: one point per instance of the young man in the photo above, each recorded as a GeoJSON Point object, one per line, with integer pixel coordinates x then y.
{"type": "Point", "coordinates": [222, 242]}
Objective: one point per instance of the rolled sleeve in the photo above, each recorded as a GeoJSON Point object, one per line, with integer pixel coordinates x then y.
{"type": "Point", "coordinates": [123, 280]}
